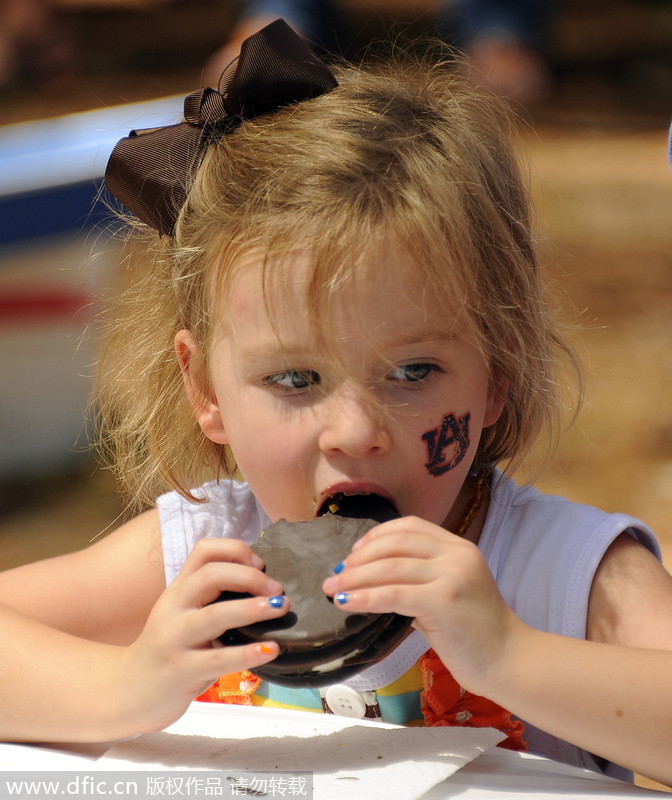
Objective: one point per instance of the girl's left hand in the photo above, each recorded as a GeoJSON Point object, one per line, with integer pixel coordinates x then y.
{"type": "Point", "coordinates": [412, 567]}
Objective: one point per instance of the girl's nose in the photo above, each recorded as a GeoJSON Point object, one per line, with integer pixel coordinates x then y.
{"type": "Point", "coordinates": [353, 424]}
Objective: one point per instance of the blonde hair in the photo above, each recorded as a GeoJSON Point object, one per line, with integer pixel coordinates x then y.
{"type": "Point", "coordinates": [408, 147]}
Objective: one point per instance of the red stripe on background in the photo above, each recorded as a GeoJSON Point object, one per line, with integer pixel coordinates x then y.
{"type": "Point", "coordinates": [45, 304]}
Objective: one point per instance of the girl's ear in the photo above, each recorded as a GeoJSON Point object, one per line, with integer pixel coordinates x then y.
{"type": "Point", "coordinates": [202, 400]}
{"type": "Point", "coordinates": [499, 388]}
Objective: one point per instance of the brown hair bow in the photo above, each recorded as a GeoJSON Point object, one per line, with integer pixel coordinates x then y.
{"type": "Point", "coordinates": [149, 170]}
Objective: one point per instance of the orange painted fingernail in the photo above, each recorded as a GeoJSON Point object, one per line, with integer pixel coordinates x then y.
{"type": "Point", "coordinates": [265, 649]}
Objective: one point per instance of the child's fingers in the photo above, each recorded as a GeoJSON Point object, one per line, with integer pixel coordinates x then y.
{"type": "Point", "coordinates": [400, 585]}
{"type": "Point", "coordinates": [205, 585]}
{"type": "Point", "coordinates": [224, 660]}
{"type": "Point", "coordinates": [207, 624]}
{"type": "Point", "coordinates": [421, 546]}
{"type": "Point", "coordinates": [405, 536]}
{"type": "Point", "coordinates": [402, 527]}
{"type": "Point", "coordinates": [199, 669]}
{"type": "Point", "coordinates": [454, 590]}
{"type": "Point", "coordinates": [410, 601]}
{"type": "Point", "coordinates": [432, 574]}
{"type": "Point", "coordinates": [213, 550]}
{"type": "Point", "coordinates": [406, 571]}
{"type": "Point", "coordinates": [394, 545]}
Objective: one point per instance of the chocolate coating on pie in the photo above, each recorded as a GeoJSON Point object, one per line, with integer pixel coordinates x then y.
{"type": "Point", "coordinates": [319, 643]}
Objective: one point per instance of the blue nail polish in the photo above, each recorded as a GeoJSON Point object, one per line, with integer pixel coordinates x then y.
{"type": "Point", "coordinates": [339, 568]}
{"type": "Point", "coordinates": [341, 598]}
{"type": "Point", "coordinates": [277, 601]}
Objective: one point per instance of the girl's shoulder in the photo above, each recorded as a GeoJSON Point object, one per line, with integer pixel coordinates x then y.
{"type": "Point", "coordinates": [544, 552]}
{"type": "Point", "coordinates": [525, 517]}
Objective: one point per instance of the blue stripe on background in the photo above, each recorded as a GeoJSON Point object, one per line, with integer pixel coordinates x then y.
{"type": "Point", "coordinates": [58, 209]}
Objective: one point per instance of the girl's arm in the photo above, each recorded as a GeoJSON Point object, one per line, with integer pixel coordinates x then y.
{"type": "Point", "coordinates": [613, 701]}
{"type": "Point", "coordinates": [103, 592]}
{"type": "Point", "coordinates": [95, 648]}
{"type": "Point", "coordinates": [611, 696]}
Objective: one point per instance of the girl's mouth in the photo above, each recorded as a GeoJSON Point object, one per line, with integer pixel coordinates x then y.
{"type": "Point", "coordinates": [362, 505]}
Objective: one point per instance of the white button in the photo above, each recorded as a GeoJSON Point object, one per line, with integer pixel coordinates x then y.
{"type": "Point", "coordinates": [345, 702]}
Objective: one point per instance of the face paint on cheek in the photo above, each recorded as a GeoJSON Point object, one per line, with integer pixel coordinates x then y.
{"type": "Point", "coordinates": [451, 436]}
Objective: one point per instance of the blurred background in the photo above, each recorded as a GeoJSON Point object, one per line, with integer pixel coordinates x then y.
{"type": "Point", "coordinates": [593, 83]}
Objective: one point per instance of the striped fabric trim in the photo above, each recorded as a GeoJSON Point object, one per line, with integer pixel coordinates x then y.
{"type": "Point", "coordinates": [399, 702]}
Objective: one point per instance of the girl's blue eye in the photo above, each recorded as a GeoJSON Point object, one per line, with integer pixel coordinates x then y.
{"type": "Point", "coordinates": [293, 379]}
{"type": "Point", "coordinates": [412, 373]}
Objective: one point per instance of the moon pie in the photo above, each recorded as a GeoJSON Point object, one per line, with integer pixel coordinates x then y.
{"type": "Point", "coordinates": [319, 643]}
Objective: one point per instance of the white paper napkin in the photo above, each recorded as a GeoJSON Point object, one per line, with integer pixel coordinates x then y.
{"type": "Point", "coordinates": [347, 757]}
{"type": "Point", "coordinates": [29, 758]}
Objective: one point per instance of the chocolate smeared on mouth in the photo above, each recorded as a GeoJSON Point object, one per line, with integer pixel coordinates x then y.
{"type": "Point", "coordinates": [319, 643]}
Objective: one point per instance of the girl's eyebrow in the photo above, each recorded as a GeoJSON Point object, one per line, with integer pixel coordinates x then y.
{"type": "Point", "coordinates": [436, 336]}
{"type": "Point", "coordinates": [275, 349]}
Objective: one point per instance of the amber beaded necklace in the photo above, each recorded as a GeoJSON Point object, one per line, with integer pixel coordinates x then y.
{"type": "Point", "coordinates": [475, 502]}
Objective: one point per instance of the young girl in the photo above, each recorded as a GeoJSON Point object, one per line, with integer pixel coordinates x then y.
{"type": "Point", "coordinates": [345, 285]}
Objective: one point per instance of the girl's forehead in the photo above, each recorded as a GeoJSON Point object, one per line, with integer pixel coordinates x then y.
{"type": "Point", "coordinates": [370, 295]}
{"type": "Point", "coordinates": [302, 275]}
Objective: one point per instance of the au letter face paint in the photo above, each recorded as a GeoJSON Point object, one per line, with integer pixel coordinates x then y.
{"type": "Point", "coordinates": [447, 444]}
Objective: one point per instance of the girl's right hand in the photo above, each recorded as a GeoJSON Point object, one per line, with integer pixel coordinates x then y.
{"type": "Point", "coordinates": [177, 656]}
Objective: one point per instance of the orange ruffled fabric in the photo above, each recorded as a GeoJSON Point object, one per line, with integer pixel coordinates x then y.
{"type": "Point", "coordinates": [444, 702]}
{"type": "Point", "coordinates": [236, 688]}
